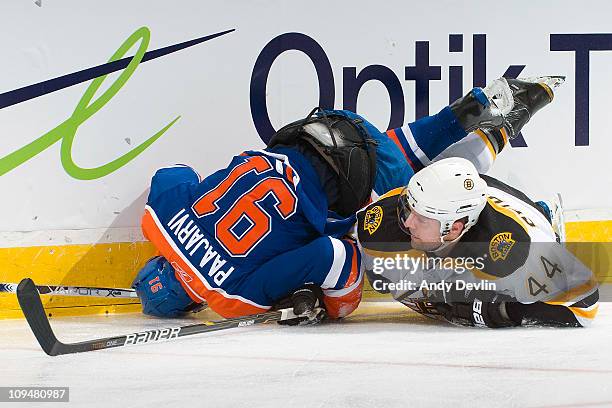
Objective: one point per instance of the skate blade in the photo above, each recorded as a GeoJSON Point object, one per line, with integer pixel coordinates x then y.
{"type": "Point", "coordinates": [559, 217]}
{"type": "Point", "coordinates": [552, 81]}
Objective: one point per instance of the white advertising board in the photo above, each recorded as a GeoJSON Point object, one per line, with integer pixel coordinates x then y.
{"type": "Point", "coordinates": [212, 79]}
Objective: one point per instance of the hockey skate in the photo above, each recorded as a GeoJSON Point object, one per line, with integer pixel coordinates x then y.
{"type": "Point", "coordinates": [479, 110]}
{"type": "Point", "coordinates": [554, 210]}
{"type": "Point", "coordinates": [528, 95]}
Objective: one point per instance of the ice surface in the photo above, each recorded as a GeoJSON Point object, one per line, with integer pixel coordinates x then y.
{"type": "Point", "coordinates": [383, 356]}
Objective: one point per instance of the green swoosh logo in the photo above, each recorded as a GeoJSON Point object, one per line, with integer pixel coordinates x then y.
{"type": "Point", "coordinates": [85, 109]}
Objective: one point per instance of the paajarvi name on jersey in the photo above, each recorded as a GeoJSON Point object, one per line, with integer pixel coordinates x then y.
{"type": "Point", "coordinates": [192, 239]}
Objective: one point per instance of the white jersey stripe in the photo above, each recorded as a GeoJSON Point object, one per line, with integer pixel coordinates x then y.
{"type": "Point", "coordinates": [285, 160]}
{"type": "Point", "coordinates": [415, 147]}
{"type": "Point", "coordinates": [331, 280]}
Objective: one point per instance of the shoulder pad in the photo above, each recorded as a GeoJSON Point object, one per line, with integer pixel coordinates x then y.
{"type": "Point", "coordinates": [499, 239]}
{"type": "Point", "coordinates": [378, 228]}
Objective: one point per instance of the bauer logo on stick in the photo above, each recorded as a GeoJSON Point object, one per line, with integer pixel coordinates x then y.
{"type": "Point", "coordinates": [152, 335]}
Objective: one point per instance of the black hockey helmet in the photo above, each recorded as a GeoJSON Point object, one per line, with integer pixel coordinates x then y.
{"type": "Point", "coordinates": [346, 147]}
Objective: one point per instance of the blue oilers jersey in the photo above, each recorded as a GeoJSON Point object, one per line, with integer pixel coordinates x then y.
{"type": "Point", "coordinates": [251, 233]}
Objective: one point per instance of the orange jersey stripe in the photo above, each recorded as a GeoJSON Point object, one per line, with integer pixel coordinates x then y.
{"type": "Point", "coordinates": [289, 174]}
{"type": "Point", "coordinates": [195, 288]}
{"type": "Point", "coordinates": [352, 278]}
{"type": "Point", "coordinates": [393, 136]}
{"type": "Point", "coordinates": [343, 305]}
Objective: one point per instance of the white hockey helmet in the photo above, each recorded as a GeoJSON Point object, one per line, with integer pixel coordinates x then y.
{"type": "Point", "coordinates": [447, 190]}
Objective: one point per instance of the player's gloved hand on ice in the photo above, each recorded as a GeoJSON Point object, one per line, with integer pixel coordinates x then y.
{"type": "Point", "coordinates": [160, 292]}
{"type": "Point", "coordinates": [305, 305]}
{"type": "Point", "coordinates": [473, 307]}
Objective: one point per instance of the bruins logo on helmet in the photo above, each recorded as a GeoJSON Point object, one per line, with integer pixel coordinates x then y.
{"type": "Point", "coordinates": [500, 246]}
{"type": "Point", "coordinates": [372, 219]}
{"type": "Point", "coordinates": [468, 184]}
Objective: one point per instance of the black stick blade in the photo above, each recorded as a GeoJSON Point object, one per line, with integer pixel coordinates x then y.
{"type": "Point", "coordinates": [33, 310]}
{"type": "Point", "coordinates": [29, 300]}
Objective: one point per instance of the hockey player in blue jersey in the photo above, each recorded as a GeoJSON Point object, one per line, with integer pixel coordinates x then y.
{"type": "Point", "coordinates": [271, 228]}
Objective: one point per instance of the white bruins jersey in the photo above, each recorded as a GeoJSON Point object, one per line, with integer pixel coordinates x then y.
{"type": "Point", "coordinates": [512, 249]}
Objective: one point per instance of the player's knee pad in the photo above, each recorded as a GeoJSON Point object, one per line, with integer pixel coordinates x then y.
{"type": "Point", "coordinates": [160, 293]}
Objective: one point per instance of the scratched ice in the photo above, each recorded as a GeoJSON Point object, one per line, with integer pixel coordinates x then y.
{"type": "Point", "coordinates": [384, 356]}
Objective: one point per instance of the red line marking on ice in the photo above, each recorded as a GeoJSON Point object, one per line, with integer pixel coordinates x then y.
{"type": "Point", "coordinates": [578, 404]}
{"type": "Point", "coordinates": [399, 364]}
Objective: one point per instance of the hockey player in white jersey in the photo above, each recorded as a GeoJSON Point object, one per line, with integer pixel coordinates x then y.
{"type": "Point", "coordinates": [472, 250]}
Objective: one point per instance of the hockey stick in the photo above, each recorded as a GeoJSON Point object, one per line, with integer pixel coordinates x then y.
{"type": "Point", "coordinates": [75, 291]}
{"type": "Point", "coordinates": [31, 305]}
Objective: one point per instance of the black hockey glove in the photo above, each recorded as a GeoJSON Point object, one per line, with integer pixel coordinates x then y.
{"type": "Point", "coordinates": [306, 305]}
{"type": "Point", "coordinates": [473, 307]}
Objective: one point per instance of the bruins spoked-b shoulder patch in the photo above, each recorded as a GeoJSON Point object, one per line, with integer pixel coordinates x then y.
{"type": "Point", "coordinates": [500, 246]}
{"type": "Point", "coordinates": [372, 219]}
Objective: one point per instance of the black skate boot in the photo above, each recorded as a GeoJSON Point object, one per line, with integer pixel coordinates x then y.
{"type": "Point", "coordinates": [474, 111]}
{"type": "Point", "coordinates": [529, 96]}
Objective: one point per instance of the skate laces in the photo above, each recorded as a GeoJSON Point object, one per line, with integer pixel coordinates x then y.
{"type": "Point", "coordinates": [500, 95]}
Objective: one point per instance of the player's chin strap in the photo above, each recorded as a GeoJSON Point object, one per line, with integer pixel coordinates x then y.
{"type": "Point", "coordinates": [444, 245]}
